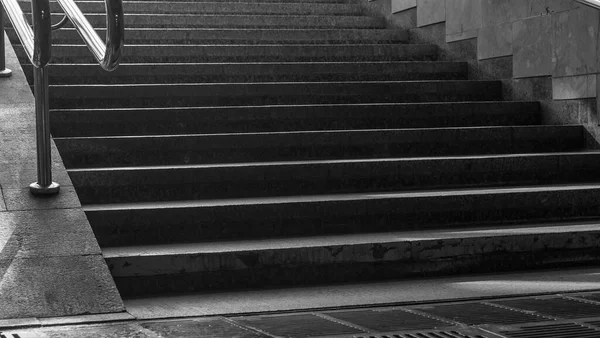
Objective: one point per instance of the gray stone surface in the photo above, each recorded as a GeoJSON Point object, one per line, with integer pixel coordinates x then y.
{"type": "Point", "coordinates": [575, 42]}
{"type": "Point", "coordinates": [494, 41]}
{"type": "Point", "coordinates": [50, 262]}
{"type": "Point", "coordinates": [22, 199]}
{"type": "Point", "coordinates": [402, 5]}
{"type": "Point", "coordinates": [532, 47]}
{"type": "Point", "coordinates": [463, 19]}
{"type": "Point", "coordinates": [51, 286]}
{"type": "Point", "coordinates": [574, 87]}
{"type": "Point", "coordinates": [47, 233]}
{"type": "Point", "coordinates": [430, 12]}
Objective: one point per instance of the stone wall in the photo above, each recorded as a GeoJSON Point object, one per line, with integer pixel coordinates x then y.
{"type": "Point", "coordinates": [543, 49]}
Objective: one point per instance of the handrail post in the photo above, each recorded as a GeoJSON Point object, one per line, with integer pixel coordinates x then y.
{"type": "Point", "coordinates": [44, 185]}
{"type": "Point", "coordinates": [4, 72]}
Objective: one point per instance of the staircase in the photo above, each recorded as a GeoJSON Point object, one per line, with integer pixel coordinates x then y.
{"type": "Point", "coordinates": [265, 143]}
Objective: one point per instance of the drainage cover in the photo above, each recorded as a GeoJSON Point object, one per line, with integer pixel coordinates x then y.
{"type": "Point", "coordinates": [297, 326]}
{"type": "Point", "coordinates": [388, 320]}
{"type": "Point", "coordinates": [554, 306]}
{"type": "Point", "coordinates": [553, 330]}
{"type": "Point", "coordinates": [477, 313]}
{"type": "Point", "coordinates": [421, 334]}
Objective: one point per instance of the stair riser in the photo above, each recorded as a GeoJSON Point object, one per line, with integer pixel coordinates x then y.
{"type": "Point", "coordinates": [115, 152]}
{"type": "Point", "coordinates": [288, 118]}
{"type": "Point", "coordinates": [228, 8]}
{"type": "Point", "coordinates": [126, 186]}
{"type": "Point", "coordinates": [248, 53]}
{"type": "Point", "coordinates": [322, 265]}
{"type": "Point", "coordinates": [241, 36]}
{"type": "Point", "coordinates": [188, 224]}
{"type": "Point", "coordinates": [237, 21]}
{"type": "Point", "coordinates": [179, 95]}
{"type": "Point", "coordinates": [252, 72]}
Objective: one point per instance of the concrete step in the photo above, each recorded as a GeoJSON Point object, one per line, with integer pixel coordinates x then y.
{"type": "Point", "coordinates": [268, 93]}
{"type": "Point", "coordinates": [249, 53]}
{"type": "Point", "coordinates": [248, 180]}
{"type": "Point", "coordinates": [216, 7]}
{"type": "Point", "coordinates": [97, 152]}
{"type": "Point", "coordinates": [407, 292]}
{"type": "Point", "coordinates": [315, 215]}
{"type": "Point", "coordinates": [154, 20]}
{"type": "Point", "coordinates": [240, 36]}
{"type": "Point", "coordinates": [152, 269]}
{"type": "Point", "coordinates": [254, 72]}
{"type": "Point", "coordinates": [170, 121]}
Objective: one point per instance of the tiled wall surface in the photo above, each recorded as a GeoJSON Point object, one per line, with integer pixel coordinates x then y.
{"type": "Point", "coordinates": [557, 38]}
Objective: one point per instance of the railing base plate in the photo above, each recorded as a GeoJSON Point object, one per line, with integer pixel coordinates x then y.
{"type": "Point", "coordinates": [37, 189]}
{"type": "Point", "coordinates": [5, 72]}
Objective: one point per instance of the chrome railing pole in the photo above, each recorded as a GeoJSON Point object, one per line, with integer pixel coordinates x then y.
{"type": "Point", "coordinates": [44, 185]}
{"type": "Point", "coordinates": [4, 72]}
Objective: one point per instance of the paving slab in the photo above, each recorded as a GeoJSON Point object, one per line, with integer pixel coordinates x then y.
{"type": "Point", "coordinates": [50, 261]}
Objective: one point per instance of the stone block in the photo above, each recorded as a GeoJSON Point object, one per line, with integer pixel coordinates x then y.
{"type": "Point", "coordinates": [530, 8]}
{"type": "Point", "coordinates": [430, 12]}
{"type": "Point", "coordinates": [497, 12]}
{"type": "Point", "coordinates": [463, 19]}
{"type": "Point", "coordinates": [574, 87]}
{"type": "Point", "coordinates": [575, 42]}
{"type": "Point", "coordinates": [46, 233]}
{"type": "Point", "coordinates": [402, 5]}
{"type": "Point", "coordinates": [22, 199]}
{"type": "Point", "coordinates": [494, 41]}
{"type": "Point", "coordinates": [405, 19]}
{"type": "Point", "coordinates": [532, 47]}
{"type": "Point", "coordinates": [56, 286]}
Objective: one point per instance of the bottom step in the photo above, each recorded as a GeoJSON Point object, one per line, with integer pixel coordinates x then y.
{"type": "Point", "coordinates": [333, 259]}
{"type": "Point", "coordinates": [396, 292]}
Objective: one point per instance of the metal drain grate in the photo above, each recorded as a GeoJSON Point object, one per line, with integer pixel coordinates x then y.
{"type": "Point", "coordinates": [476, 314]}
{"type": "Point", "coordinates": [297, 326]}
{"type": "Point", "coordinates": [554, 330]}
{"type": "Point", "coordinates": [554, 306]}
{"type": "Point", "coordinates": [388, 320]}
{"type": "Point", "coordinates": [422, 334]}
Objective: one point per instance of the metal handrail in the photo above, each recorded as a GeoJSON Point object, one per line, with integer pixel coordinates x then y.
{"type": "Point", "coordinates": [109, 54]}
{"type": "Point", "coordinates": [37, 44]}
{"type": "Point", "coordinates": [591, 3]}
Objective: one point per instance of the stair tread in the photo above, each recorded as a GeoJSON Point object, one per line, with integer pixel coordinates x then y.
{"type": "Point", "coordinates": [366, 294]}
{"type": "Point", "coordinates": [300, 83]}
{"type": "Point", "coordinates": [314, 132]}
{"type": "Point", "coordinates": [339, 197]}
{"type": "Point", "coordinates": [348, 239]}
{"type": "Point", "coordinates": [329, 161]}
{"type": "Point", "coordinates": [282, 106]}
